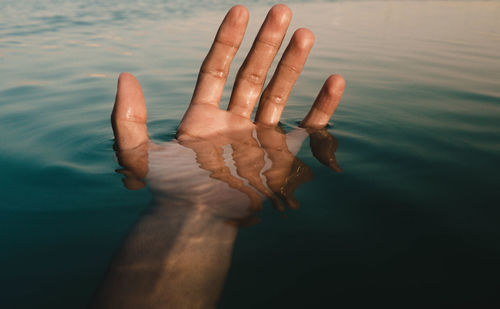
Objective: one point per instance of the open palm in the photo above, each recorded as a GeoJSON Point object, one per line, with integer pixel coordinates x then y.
{"type": "Point", "coordinates": [203, 117]}
{"type": "Point", "coordinates": [218, 169]}
{"type": "Point", "coordinates": [205, 128]}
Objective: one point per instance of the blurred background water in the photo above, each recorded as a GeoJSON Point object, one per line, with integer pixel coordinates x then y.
{"type": "Point", "coordinates": [412, 221]}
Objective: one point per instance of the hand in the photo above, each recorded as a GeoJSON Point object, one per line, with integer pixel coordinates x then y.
{"type": "Point", "coordinates": [206, 129]}
{"type": "Point", "coordinates": [217, 170]}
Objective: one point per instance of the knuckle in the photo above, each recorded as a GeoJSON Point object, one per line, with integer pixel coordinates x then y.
{"type": "Point", "coordinates": [290, 67]}
{"type": "Point", "coordinates": [227, 43]}
{"type": "Point", "coordinates": [214, 72]}
{"type": "Point", "coordinates": [276, 99]}
{"type": "Point", "coordinates": [252, 78]}
{"type": "Point", "coordinates": [269, 43]}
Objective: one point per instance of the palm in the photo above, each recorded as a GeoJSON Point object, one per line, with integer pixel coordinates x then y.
{"type": "Point", "coordinates": [210, 122]}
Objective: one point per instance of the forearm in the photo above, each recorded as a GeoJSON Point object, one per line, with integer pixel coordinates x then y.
{"type": "Point", "coordinates": [177, 256]}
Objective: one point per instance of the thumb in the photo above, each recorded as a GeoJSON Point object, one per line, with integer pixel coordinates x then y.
{"type": "Point", "coordinates": [129, 115]}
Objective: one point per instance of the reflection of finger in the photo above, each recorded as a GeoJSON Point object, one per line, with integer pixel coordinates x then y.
{"type": "Point", "coordinates": [253, 72]}
{"type": "Point", "coordinates": [215, 67]}
{"type": "Point", "coordinates": [325, 104]}
{"type": "Point", "coordinates": [129, 115]}
{"type": "Point", "coordinates": [130, 181]}
{"type": "Point", "coordinates": [299, 174]}
{"type": "Point", "coordinates": [248, 222]}
{"type": "Point", "coordinates": [135, 166]}
{"type": "Point", "coordinates": [249, 161]}
{"type": "Point", "coordinates": [276, 94]}
{"type": "Point", "coordinates": [323, 146]}
{"type": "Point", "coordinates": [295, 138]}
{"type": "Point", "coordinates": [210, 158]}
{"type": "Point", "coordinates": [282, 177]}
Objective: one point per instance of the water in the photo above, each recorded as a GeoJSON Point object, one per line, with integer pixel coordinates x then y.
{"type": "Point", "coordinates": [411, 221]}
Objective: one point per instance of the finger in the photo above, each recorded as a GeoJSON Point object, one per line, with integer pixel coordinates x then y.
{"type": "Point", "coordinates": [276, 94]}
{"type": "Point", "coordinates": [323, 147]}
{"type": "Point", "coordinates": [135, 166]}
{"type": "Point", "coordinates": [253, 72]}
{"type": "Point", "coordinates": [248, 222]}
{"type": "Point", "coordinates": [299, 174]}
{"type": "Point", "coordinates": [129, 115]}
{"type": "Point", "coordinates": [325, 104]}
{"type": "Point", "coordinates": [128, 120]}
{"type": "Point", "coordinates": [215, 67]}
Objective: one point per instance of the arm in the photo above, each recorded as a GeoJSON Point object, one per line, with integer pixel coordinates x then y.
{"type": "Point", "coordinates": [178, 254]}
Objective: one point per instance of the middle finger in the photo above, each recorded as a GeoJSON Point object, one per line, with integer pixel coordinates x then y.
{"type": "Point", "coordinates": [252, 74]}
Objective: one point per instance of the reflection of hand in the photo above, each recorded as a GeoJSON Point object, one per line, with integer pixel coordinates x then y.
{"type": "Point", "coordinates": [206, 129]}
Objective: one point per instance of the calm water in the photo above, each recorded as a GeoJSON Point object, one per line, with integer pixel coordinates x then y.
{"type": "Point", "coordinates": [411, 221]}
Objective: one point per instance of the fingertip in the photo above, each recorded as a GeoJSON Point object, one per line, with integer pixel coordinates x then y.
{"type": "Point", "coordinates": [126, 77]}
{"type": "Point", "coordinates": [335, 85]}
{"type": "Point", "coordinates": [239, 11]}
{"type": "Point", "coordinates": [238, 15]}
{"type": "Point", "coordinates": [303, 38]}
{"type": "Point", "coordinates": [129, 102]}
{"type": "Point", "coordinates": [280, 15]}
{"type": "Point", "coordinates": [129, 86]}
{"type": "Point", "coordinates": [282, 12]}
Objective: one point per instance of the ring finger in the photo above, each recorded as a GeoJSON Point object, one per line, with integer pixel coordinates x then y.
{"type": "Point", "coordinates": [276, 94]}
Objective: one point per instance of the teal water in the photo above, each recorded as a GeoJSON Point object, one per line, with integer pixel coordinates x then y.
{"type": "Point", "coordinates": [411, 221]}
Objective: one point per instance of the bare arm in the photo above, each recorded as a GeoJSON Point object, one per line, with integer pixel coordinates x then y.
{"type": "Point", "coordinates": [178, 254]}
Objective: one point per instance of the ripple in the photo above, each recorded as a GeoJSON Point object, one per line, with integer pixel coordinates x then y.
{"type": "Point", "coordinates": [417, 131]}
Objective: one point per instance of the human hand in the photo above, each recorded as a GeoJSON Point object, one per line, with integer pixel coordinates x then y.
{"type": "Point", "coordinates": [206, 129]}
{"type": "Point", "coordinates": [218, 169]}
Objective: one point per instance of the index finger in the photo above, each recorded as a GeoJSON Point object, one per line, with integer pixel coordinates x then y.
{"type": "Point", "coordinates": [215, 68]}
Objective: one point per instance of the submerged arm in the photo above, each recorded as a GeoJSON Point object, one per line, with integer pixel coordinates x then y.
{"type": "Point", "coordinates": [177, 256]}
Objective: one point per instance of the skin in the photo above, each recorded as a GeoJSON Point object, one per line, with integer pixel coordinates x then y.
{"type": "Point", "coordinates": [178, 254]}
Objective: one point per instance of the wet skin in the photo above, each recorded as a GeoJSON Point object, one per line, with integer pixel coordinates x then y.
{"type": "Point", "coordinates": [178, 254]}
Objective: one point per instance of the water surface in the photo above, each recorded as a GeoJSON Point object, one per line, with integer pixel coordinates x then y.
{"type": "Point", "coordinates": [411, 221]}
